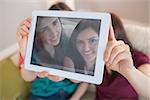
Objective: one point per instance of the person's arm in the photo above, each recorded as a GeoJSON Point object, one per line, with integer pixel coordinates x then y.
{"type": "Point", "coordinates": [79, 91]}
{"type": "Point", "coordinates": [22, 37]}
{"type": "Point", "coordinates": [68, 64]}
{"type": "Point", "coordinates": [139, 79]}
{"type": "Point", "coordinates": [118, 58]}
{"type": "Point", "coordinates": [28, 75]}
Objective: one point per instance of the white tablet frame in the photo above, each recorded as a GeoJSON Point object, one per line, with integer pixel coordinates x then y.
{"type": "Point", "coordinates": [103, 37]}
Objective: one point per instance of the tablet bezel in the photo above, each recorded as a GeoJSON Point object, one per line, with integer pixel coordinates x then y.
{"type": "Point", "coordinates": [103, 37]}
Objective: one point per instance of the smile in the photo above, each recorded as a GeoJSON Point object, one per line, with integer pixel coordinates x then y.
{"type": "Point", "coordinates": [54, 38]}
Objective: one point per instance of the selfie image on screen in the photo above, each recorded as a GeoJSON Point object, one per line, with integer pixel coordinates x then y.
{"type": "Point", "coordinates": [68, 44]}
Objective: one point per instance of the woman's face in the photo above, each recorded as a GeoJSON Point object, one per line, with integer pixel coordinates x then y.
{"type": "Point", "coordinates": [87, 43]}
{"type": "Point", "coordinates": [52, 31]}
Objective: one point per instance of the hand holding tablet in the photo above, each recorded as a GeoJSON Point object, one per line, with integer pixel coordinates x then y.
{"type": "Point", "coordinates": [68, 44]}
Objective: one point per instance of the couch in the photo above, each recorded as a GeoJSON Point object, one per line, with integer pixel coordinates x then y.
{"type": "Point", "coordinates": [12, 86]}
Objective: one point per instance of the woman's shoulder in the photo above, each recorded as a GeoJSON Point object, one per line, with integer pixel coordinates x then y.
{"type": "Point", "coordinates": [139, 58]}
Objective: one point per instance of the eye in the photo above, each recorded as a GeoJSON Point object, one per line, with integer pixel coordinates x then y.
{"type": "Point", "coordinates": [93, 41]}
{"type": "Point", "coordinates": [79, 43]}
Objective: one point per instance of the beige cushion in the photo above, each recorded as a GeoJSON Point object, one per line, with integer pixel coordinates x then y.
{"type": "Point", "coordinates": [139, 36]}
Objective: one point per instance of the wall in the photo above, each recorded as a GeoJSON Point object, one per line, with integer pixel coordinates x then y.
{"type": "Point", "coordinates": [149, 11]}
{"type": "Point", "coordinates": [12, 12]}
{"type": "Point", "coordinates": [136, 10]}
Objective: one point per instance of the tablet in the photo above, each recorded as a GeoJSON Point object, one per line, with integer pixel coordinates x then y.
{"type": "Point", "coordinates": [68, 44]}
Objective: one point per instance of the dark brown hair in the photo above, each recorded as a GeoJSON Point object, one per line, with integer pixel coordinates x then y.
{"type": "Point", "coordinates": [119, 29]}
{"type": "Point", "coordinates": [60, 6]}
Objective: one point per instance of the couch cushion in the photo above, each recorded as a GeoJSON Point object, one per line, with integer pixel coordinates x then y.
{"type": "Point", "coordinates": [139, 36]}
{"type": "Point", "coordinates": [12, 86]}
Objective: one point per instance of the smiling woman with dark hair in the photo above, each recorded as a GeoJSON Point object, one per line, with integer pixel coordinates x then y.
{"type": "Point", "coordinates": [82, 46]}
{"type": "Point", "coordinates": [126, 73]}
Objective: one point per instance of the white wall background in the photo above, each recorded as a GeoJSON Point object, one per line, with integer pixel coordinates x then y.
{"type": "Point", "coordinates": [12, 12]}
{"type": "Point", "coordinates": [149, 11]}
{"type": "Point", "coordinates": [136, 10]}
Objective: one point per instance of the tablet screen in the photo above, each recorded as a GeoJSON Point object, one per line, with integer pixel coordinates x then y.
{"type": "Point", "coordinates": [68, 44]}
